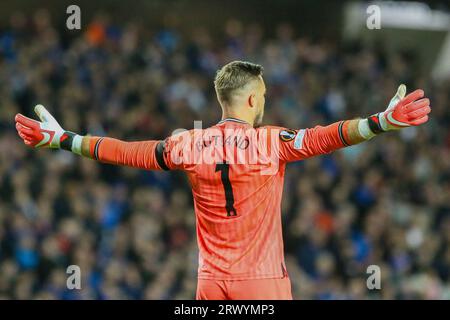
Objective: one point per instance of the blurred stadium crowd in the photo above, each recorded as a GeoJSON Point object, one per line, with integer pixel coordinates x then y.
{"type": "Point", "coordinates": [132, 232]}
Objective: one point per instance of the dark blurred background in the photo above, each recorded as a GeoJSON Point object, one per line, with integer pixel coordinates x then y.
{"type": "Point", "coordinates": [141, 69]}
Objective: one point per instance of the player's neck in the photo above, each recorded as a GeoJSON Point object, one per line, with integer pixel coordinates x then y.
{"type": "Point", "coordinates": [232, 115]}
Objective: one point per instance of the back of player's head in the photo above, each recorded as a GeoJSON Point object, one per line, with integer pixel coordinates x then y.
{"type": "Point", "coordinates": [233, 77]}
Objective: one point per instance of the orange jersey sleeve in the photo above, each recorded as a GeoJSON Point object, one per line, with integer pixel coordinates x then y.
{"type": "Point", "coordinates": [138, 154]}
{"type": "Point", "coordinates": [177, 150]}
{"type": "Point", "coordinates": [168, 154]}
{"type": "Point", "coordinates": [300, 144]}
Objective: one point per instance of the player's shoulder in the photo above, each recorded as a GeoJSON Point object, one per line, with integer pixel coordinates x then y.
{"type": "Point", "coordinates": [285, 134]}
{"type": "Point", "coordinates": [179, 139]}
{"type": "Point", "coordinates": [271, 128]}
{"type": "Point", "coordinates": [179, 135]}
{"type": "Point", "coordinates": [184, 137]}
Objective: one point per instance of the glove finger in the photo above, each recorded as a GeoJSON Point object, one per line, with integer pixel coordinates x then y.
{"type": "Point", "coordinates": [417, 105]}
{"type": "Point", "coordinates": [419, 121]}
{"type": "Point", "coordinates": [23, 136]}
{"type": "Point", "coordinates": [24, 129]}
{"type": "Point", "coordinates": [27, 122]}
{"type": "Point", "coordinates": [419, 113]}
{"type": "Point", "coordinates": [29, 142]}
{"type": "Point", "coordinates": [43, 113]}
{"type": "Point", "coordinates": [401, 91]}
{"type": "Point", "coordinates": [26, 139]}
{"type": "Point", "coordinates": [29, 136]}
{"type": "Point", "coordinates": [399, 95]}
{"type": "Point", "coordinates": [413, 96]}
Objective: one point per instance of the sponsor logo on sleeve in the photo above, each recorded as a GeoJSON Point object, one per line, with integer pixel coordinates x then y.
{"type": "Point", "coordinates": [287, 135]}
{"type": "Point", "coordinates": [298, 142]}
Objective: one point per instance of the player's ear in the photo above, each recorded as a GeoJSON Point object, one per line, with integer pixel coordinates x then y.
{"type": "Point", "coordinates": [251, 100]}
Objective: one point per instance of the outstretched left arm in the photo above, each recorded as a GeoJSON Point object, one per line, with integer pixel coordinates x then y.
{"type": "Point", "coordinates": [47, 133]}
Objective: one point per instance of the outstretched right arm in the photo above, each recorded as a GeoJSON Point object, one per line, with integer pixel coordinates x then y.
{"type": "Point", "coordinates": [402, 112]}
{"type": "Point", "coordinates": [48, 133]}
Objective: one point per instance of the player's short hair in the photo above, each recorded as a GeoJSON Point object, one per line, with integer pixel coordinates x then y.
{"type": "Point", "coordinates": [233, 76]}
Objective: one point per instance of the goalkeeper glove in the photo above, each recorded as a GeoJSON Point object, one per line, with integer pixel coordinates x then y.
{"type": "Point", "coordinates": [47, 132]}
{"type": "Point", "coordinates": [401, 112]}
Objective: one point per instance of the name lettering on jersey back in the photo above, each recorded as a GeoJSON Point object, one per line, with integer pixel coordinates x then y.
{"type": "Point", "coordinates": [241, 142]}
{"type": "Point", "coordinates": [246, 146]}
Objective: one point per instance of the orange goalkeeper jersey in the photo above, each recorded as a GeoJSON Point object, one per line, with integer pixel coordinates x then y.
{"type": "Point", "coordinates": [236, 173]}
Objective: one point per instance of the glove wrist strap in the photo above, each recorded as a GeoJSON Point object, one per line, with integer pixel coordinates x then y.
{"type": "Point", "coordinates": [372, 126]}
{"type": "Point", "coordinates": [71, 141]}
{"type": "Point", "coordinates": [364, 129]}
{"type": "Point", "coordinates": [375, 123]}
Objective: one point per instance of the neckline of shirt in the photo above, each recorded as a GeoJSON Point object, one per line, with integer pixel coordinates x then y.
{"type": "Point", "coordinates": [233, 120]}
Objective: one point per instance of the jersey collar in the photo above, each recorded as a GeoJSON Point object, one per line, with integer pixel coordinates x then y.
{"type": "Point", "coordinates": [233, 120]}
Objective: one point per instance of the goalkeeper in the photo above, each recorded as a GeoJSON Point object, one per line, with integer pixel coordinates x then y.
{"type": "Point", "coordinates": [238, 210]}
{"type": "Point", "coordinates": [401, 112]}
